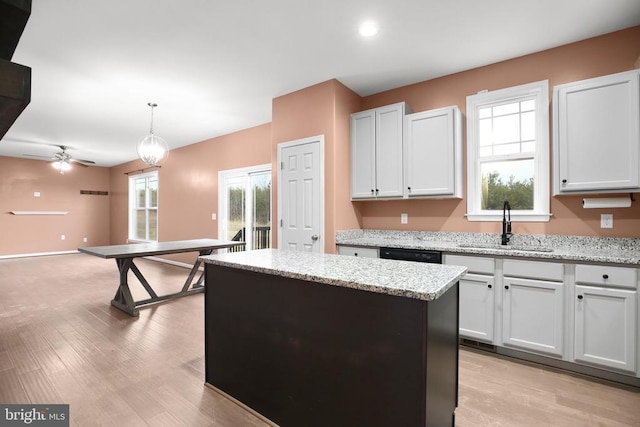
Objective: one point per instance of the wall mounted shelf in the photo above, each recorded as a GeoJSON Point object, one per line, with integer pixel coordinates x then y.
{"type": "Point", "coordinates": [39, 212]}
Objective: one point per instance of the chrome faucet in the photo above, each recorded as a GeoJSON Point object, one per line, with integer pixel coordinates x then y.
{"type": "Point", "coordinates": [506, 222]}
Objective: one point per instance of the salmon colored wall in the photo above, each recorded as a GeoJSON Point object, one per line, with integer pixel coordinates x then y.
{"type": "Point", "coordinates": [31, 234]}
{"type": "Point", "coordinates": [599, 56]}
{"type": "Point", "coordinates": [188, 179]}
{"type": "Point", "coordinates": [188, 182]}
{"type": "Point", "coordinates": [322, 109]}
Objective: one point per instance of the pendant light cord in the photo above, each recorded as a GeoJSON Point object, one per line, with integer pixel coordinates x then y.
{"type": "Point", "coordinates": [152, 105]}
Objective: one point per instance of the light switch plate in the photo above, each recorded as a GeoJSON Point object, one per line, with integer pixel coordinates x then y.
{"type": "Point", "coordinates": [404, 218]}
{"type": "Point", "coordinates": [606, 221]}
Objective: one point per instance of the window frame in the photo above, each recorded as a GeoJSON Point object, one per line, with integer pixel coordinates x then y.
{"type": "Point", "coordinates": [539, 91]}
{"type": "Point", "coordinates": [133, 209]}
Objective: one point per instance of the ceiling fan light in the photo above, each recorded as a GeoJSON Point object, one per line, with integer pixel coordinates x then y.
{"type": "Point", "coordinates": [152, 149]}
{"type": "Point", "coordinates": [62, 166]}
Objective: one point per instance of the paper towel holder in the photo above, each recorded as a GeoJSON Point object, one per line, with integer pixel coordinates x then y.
{"type": "Point", "coordinates": [607, 202]}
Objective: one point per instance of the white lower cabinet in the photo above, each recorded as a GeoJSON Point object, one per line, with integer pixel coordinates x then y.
{"type": "Point", "coordinates": [526, 305]}
{"type": "Point", "coordinates": [532, 317]}
{"type": "Point", "coordinates": [477, 304]}
{"type": "Point", "coordinates": [477, 307]}
{"type": "Point", "coordinates": [606, 323]}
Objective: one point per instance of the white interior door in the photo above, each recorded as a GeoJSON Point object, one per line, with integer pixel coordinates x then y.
{"type": "Point", "coordinates": [301, 195]}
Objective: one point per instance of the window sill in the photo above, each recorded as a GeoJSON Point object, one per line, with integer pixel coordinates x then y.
{"type": "Point", "coordinates": [515, 217]}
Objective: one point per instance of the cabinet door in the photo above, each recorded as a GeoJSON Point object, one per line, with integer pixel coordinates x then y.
{"type": "Point", "coordinates": [389, 122]}
{"type": "Point", "coordinates": [596, 129]}
{"type": "Point", "coordinates": [477, 302]}
{"type": "Point", "coordinates": [432, 157]}
{"type": "Point", "coordinates": [363, 155]}
{"type": "Point", "coordinates": [605, 327]}
{"type": "Point", "coordinates": [533, 315]}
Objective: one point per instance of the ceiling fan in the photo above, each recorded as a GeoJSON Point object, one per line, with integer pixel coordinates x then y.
{"type": "Point", "coordinates": [62, 160]}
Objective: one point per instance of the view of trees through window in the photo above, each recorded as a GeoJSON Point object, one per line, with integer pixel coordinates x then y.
{"type": "Point", "coordinates": [249, 215]}
{"type": "Point", "coordinates": [495, 191]}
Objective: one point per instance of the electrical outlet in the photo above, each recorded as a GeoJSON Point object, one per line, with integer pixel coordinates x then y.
{"type": "Point", "coordinates": [404, 218]}
{"type": "Point", "coordinates": [213, 216]}
{"type": "Point", "coordinates": [84, 239]}
{"type": "Point", "coordinates": [62, 237]}
{"type": "Point", "coordinates": [36, 194]}
{"type": "Point", "coordinates": [606, 221]}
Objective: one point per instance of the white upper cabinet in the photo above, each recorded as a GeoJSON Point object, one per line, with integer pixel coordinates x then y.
{"type": "Point", "coordinates": [376, 152]}
{"type": "Point", "coordinates": [433, 153]}
{"type": "Point", "coordinates": [596, 135]}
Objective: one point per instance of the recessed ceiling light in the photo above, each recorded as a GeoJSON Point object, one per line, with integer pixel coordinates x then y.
{"type": "Point", "coordinates": [368, 29]}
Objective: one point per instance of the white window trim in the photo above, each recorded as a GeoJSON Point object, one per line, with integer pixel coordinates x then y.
{"type": "Point", "coordinates": [132, 201]}
{"type": "Point", "coordinates": [541, 163]}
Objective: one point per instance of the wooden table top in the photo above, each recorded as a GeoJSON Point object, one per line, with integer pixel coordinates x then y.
{"type": "Point", "coordinates": [157, 248]}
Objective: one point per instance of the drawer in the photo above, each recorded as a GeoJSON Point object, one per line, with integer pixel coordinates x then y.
{"type": "Point", "coordinates": [358, 251]}
{"type": "Point", "coordinates": [473, 264]}
{"type": "Point", "coordinates": [602, 275]}
{"type": "Point", "coordinates": [533, 270]}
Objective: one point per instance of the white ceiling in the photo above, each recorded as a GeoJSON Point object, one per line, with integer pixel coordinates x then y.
{"type": "Point", "coordinates": [214, 66]}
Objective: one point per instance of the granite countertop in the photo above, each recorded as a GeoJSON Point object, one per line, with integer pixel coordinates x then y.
{"type": "Point", "coordinates": [610, 250]}
{"type": "Point", "coordinates": [406, 279]}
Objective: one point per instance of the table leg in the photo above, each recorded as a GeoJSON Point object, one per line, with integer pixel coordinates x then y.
{"type": "Point", "coordinates": [123, 299]}
{"type": "Point", "coordinates": [194, 270]}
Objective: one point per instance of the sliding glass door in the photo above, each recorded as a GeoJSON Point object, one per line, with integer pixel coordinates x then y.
{"type": "Point", "coordinates": [244, 205]}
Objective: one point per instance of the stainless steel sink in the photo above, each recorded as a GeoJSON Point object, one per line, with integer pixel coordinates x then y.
{"type": "Point", "coordinates": [528, 248]}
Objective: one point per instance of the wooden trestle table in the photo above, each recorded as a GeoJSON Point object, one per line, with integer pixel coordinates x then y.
{"type": "Point", "coordinates": [125, 254]}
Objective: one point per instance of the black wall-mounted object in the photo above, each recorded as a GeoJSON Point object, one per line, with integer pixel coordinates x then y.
{"type": "Point", "coordinates": [14, 15]}
{"type": "Point", "coordinates": [15, 79]}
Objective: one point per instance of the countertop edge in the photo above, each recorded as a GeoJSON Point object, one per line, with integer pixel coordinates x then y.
{"type": "Point", "coordinates": [454, 273]}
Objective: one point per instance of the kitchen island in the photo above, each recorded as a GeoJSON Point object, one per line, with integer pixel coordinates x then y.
{"type": "Point", "coordinates": [318, 339]}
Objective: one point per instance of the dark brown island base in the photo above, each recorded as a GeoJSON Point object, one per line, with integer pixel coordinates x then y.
{"type": "Point", "coordinates": [328, 340]}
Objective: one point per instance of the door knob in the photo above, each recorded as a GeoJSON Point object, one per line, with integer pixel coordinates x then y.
{"type": "Point", "coordinates": [315, 237]}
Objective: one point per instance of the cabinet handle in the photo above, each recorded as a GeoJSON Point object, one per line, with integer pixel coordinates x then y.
{"type": "Point", "coordinates": [506, 287]}
{"type": "Point", "coordinates": [605, 276]}
{"type": "Point", "coordinates": [376, 191]}
{"type": "Point", "coordinates": [355, 254]}
{"type": "Point", "coordinates": [564, 181]}
{"type": "Point", "coordinates": [409, 188]}
{"type": "Point", "coordinates": [489, 285]}
{"type": "Point", "coordinates": [372, 191]}
{"type": "Point", "coordinates": [579, 296]}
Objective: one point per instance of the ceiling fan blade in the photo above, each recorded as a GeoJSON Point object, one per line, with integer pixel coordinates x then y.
{"type": "Point", "coordinates": [82, 162]}
{"type": "Point", "coordinates": [40, 157]}
{"type": "Point", "coordinates": [78, 162]}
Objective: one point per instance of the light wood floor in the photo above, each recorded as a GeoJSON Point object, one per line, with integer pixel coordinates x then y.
{"type": "Point", "coordinates": [62, 342]}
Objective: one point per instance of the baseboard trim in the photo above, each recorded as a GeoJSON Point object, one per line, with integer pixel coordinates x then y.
{"type": "Point", "coordinates": [242, 405]}
{"type": "Point", "coordinates": [38, 254]}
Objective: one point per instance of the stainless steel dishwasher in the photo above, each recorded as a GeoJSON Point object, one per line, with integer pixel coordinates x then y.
{"type": "Point", "coordinates": [417, 255]}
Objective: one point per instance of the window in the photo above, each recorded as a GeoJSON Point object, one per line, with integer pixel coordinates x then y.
{"type": "Point", "coordinates": [508, 153]}
{"type": "Point", "coordinates": [244, 203]}
{"type": "Point", "coordinates": [143, 207]}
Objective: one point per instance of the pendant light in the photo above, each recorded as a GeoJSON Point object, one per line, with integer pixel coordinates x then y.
{"type": "Point", "coordinates": [151, 148]}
